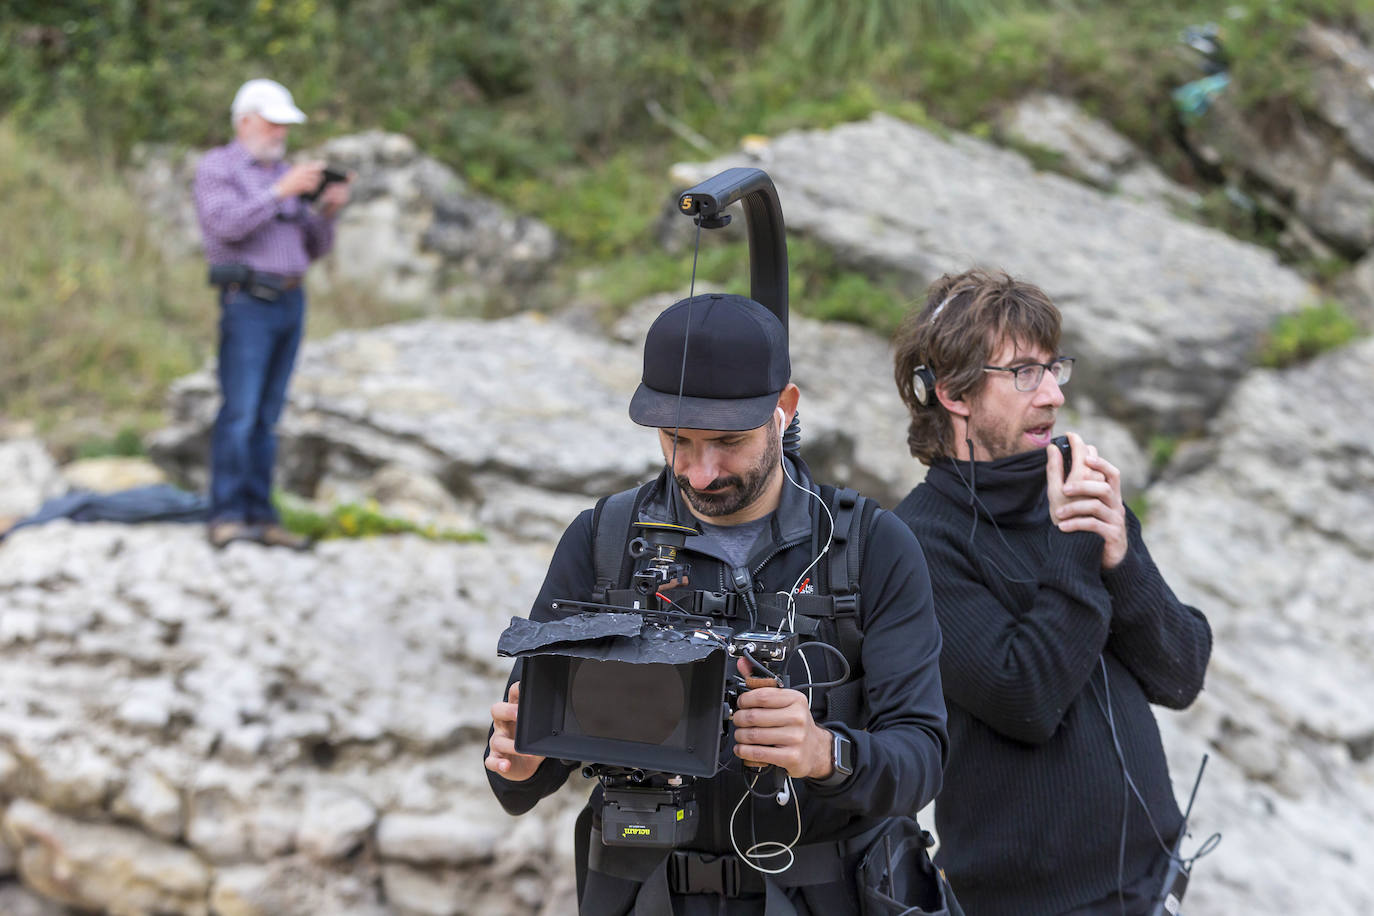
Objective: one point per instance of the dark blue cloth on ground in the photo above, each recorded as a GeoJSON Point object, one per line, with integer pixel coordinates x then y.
{"type": "Point", "coordinates": [155, 503]}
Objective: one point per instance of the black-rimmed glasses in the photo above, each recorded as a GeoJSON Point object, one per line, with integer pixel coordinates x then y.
{"type": "Point", "coordinates": [1028, 377]}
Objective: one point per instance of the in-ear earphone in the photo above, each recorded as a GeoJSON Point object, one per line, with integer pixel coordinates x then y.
{"type": "Point", "coordinates": [923, 385]}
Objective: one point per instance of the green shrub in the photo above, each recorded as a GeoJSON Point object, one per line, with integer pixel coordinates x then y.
{"type": "Point", "coordinates": [1161, 449]}
{"type": "Point", "coordinates": [354, 520]}
{"type": "Point", "coordinates": [127, 443]}
{"type": "Point", "coordinates": [1308, 332]}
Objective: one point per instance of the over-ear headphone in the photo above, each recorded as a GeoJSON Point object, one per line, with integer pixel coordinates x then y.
{"type": "Point", "coordinates": [923, 385]}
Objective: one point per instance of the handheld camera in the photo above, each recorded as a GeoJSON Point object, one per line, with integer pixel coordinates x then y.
{"type": "Point", "coordinates": [328, 177]}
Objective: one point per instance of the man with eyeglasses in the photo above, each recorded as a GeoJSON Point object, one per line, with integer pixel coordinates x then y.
{"type": "Point", "coordinates": [261, 232]}
{"type": "Point", "coordinates": [1059, 631]}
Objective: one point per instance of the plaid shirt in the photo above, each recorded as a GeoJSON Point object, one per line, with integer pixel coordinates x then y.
{"type": "Point", "coordinates": [242, 222]}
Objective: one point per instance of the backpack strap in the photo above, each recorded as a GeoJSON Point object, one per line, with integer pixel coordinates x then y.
{"type": "Point", "coordinates": [611, 522]}
{"type": "Point", "coordinates": [844, 562]}
{"type": "Point", "coordinates": [853, 515]}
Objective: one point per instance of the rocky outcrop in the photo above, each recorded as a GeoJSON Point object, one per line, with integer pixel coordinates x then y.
{"type": "Point", "coordinates": [246, 732]}
{"type": "Point", "coordinates": [1307, 163]}
{"type": "Point", "coordinates": [1164, 315]}
{"type": "Point", "coordinates": [390, 415]}
{"type": "Point", "coordinates": [414, 233]}
{"type": "Point", "coordinates": [517, 423]}
{"type": "Point", "coordinates": [30, 475]}
{"type": "Point", "coordinates": [1274, 539]}
{"type": "Point", "coordinates": [1088, 149]}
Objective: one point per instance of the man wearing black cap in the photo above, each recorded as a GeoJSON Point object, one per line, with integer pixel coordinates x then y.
{"type": "Point", "coordinates": [716, 385]}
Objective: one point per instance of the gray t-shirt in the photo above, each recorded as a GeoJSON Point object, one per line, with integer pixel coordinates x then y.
{"type": "Point", "coordinates": [737, 540]}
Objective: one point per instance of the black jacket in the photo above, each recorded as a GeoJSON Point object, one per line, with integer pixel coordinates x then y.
{"type": "Point", "coordinates": [1030, 817]}
{"type": "Point", "coordinates": [898, 759]}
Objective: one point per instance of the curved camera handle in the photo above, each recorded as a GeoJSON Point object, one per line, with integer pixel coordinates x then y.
{"type": "Point", "coordinates": [763, 221]}
{"type": "Point", "coordinates": [706, 203]}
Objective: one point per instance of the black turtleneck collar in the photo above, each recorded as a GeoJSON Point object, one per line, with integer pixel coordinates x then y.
{"type": "Point", "coordinates": [1010, 491]}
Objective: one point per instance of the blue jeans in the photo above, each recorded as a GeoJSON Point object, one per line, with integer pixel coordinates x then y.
{"type": "Point", "coordinates": [258, 341]}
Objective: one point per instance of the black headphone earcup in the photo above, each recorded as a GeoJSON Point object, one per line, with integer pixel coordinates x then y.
{"type": "Point", "coordinates": [923, 385]}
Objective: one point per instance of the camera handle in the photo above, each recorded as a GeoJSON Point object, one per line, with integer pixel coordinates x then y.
{"type": "Point", "coordinates": [705, 203]}
{"type": "Point", "coordinates": [763, 222]}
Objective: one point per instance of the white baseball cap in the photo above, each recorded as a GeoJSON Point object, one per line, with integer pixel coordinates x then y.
{"type": "Point", "coordinates": [269, 99]}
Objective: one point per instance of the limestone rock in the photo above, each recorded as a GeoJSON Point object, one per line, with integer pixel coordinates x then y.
{"type": "Point", "coordinates": [1163, 315]}
{"type": "Point", "coordinates": [149, 799]}
{"type": "Point", "coordinates": [1273, 541]}
{"type": "Point", "coordinates": [109, 475]}
{"type": "Point", "coordinates": [1311, 164]}
{"type": "Point", "coordinates": [98, 866]}
{"type": "Point", "coordinates": [295, 885]}
{"type": "Point", "coordinates": [391, 413]}
{"type": "Point", "coordinates": [446, 837]}
{"type": "Point", "coordinates": [31, 477]}
{"type": "Point", "coordinates": [418, 892]}
{"type": "Point", "coordinates": [15, 900]}
{"type": "Point", "coordinates": [334, 823]}
{"type": "Point", "coordinates": [1344, 90]}
{"type": "Point", "coordinates": [1089, 149]}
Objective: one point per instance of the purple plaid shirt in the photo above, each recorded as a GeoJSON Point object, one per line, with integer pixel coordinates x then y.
{"type": "Point", "coordinates": [242, 222]}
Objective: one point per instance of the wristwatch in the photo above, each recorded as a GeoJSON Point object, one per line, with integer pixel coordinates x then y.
{"type": "Point", "coordinates": [841, 759]}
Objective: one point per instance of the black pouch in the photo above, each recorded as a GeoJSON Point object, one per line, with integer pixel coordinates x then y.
{"type": "Point", "coordinates": [225, 274]}
{"type": "Point", "coordinates": [897, 878]}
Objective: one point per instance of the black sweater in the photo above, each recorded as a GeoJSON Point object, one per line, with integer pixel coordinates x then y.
{"type": "Point", "coordinates": [898, 759]}
{"type": "Point", "coordinates": [1030, 817]}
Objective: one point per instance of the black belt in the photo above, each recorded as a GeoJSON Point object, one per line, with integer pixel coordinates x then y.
{"type": "Point", "coordinates": [282, 282]}
{"type": "Point", "coordinates": [265, 286]}
{"type": "Point", "coordinates": [279, 282]}
{"type": "Point", "coordinates": [692, 872]}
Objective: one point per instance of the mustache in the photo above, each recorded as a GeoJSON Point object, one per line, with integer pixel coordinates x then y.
{"type": "Point", "coordinates": [718, 483]}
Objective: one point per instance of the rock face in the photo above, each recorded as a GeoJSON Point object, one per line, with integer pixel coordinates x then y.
{"type": "Point", "coordinates": [247, 732]}
{"type": "Point", "coordinates": [1274, 539]}
{"type": "Point", "coordinates": [550, 402]}
{"type": "Point", "coordinates": [30, 475]}
{"type": "Point", "coordinates": [1311, 163]}
{"type": "Point", "coordinates": [1089, 149]}
{"type": "Point", "coordinates": [414, 232]}
{"type": "Point", "coordinates": [1163, 314]}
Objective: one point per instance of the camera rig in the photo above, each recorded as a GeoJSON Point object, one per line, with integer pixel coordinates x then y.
{"type": "Point", "coordinates": [644, 693]}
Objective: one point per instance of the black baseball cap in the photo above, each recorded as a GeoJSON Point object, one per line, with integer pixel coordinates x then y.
{"type": "Point", "coordinates": [737, 365]}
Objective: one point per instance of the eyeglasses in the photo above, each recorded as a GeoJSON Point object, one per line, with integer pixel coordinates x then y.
{"type": "Point", "coordinates": [1029, 376]}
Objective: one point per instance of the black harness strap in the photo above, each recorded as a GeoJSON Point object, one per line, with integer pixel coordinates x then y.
{"type": "Point", "coordinates": [839, 578]}
{"type": "Point", "coordinates": [611, 522]}
{"type": "Point", "coordinates": [685, 871]}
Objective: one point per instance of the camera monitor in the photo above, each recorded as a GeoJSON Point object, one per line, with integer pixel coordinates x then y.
{"type": "Point", "coordinates": [652, 700]}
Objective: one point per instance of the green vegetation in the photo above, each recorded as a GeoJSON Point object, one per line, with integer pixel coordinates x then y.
{"type": "Point", "coordinates": [1161, 450]}
{"type": "Point", "coordinates": [87, 299]}
{"type": "Point", "coordinates": [1308, 332]}
{"type": "Point", "coordinates": [567, 110]}
{"type": "Point", "coordinates": [127, 443]}
{"type": "Point", "coordinates": [352, 520]}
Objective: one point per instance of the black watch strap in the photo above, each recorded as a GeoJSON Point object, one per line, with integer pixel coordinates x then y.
{"type": "Point", "coordinates": [841, 759]}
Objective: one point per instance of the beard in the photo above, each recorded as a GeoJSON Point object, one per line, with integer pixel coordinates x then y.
{"type": "Point", "coordinates": [266, 150]}
{"type": "Point", "coordinates": [736, 492]}
{"type": "Point", "coordinates": [999, 438]}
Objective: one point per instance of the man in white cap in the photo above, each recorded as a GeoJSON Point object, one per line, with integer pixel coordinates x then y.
{"type": "Point", "coordinates": [262, 222]}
